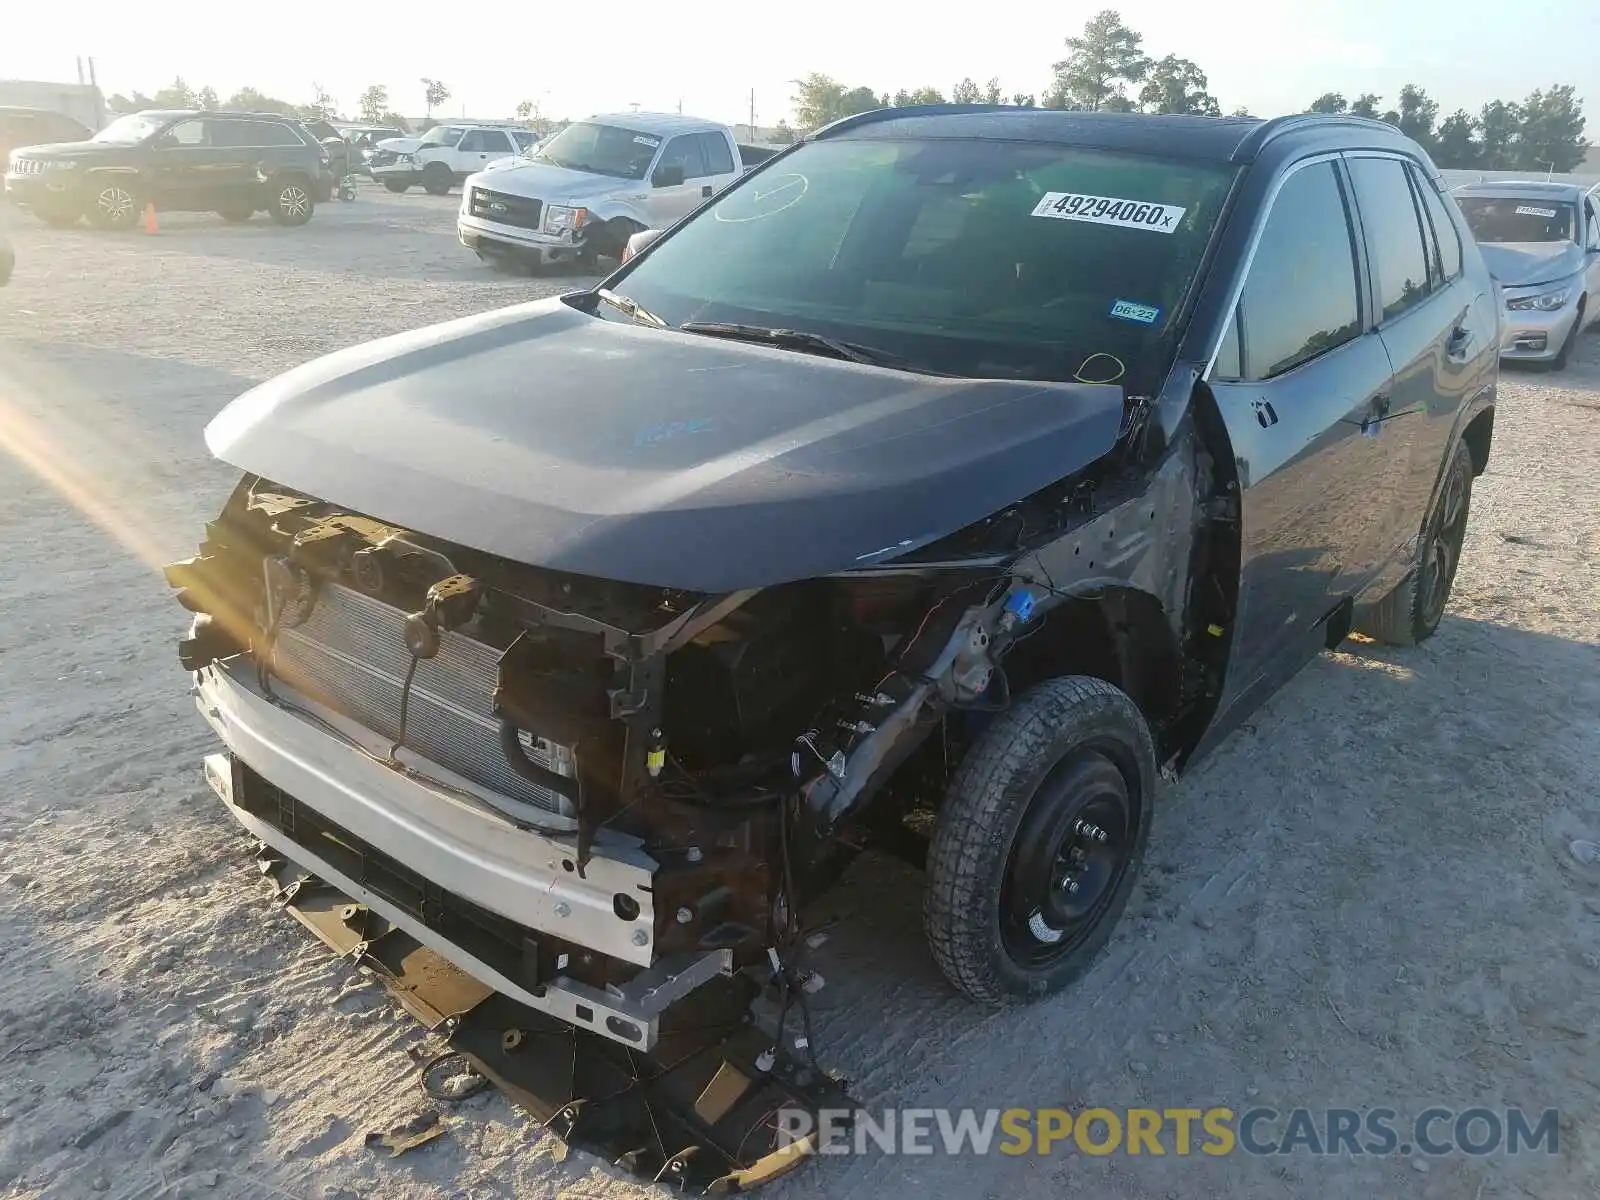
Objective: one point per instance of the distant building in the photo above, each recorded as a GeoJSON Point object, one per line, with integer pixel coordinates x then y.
{"type": "Point", "coordinates": [82, 101]}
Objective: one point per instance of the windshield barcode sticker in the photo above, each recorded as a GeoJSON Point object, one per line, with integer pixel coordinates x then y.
{"type": "Point", "coordinates": [1528, 210]}
{"type": "Point", "coordinates": [1109, 210]}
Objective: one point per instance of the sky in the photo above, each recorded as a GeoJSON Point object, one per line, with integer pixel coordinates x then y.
{"type": "Point", "coordinates": [1267, 57]}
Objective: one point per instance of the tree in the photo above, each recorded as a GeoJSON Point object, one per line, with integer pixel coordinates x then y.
{"type": "Point", "coordinates": [1024, 100]}
{"type": "Point", "coordinates": [783, 135]}
{"type": "Point", "coordinates": [206, 97]}
{"type": "Point", "coordinates": [247, 99]}
{"type": "Point", "coordinates": [1457, 142]}
{"type": "Point", "coordinates": [525, 110]}
{"type": "Point", "coordinates": [820, 99]}
{"type": "Point", "coordinates": [176, 94]}
{"type": "Point", "coordinates": [1551, 136]}
{"type": "Point", "coordinates": [1365, 105]}
{"type": "Point", "coordinates": [921, 95]}
{"type": "Point", "coordinates": [966, 92]}
{"type": "Point", "coordinates": [1329, 102]}
{"type": "Point", "coordinates": [1177, 85]}
{"type": "Point", "coordinates": [1416, 115]}
{"type": "Point", "coordinates": [373, 103]}
{"type": "Point", "coordinates": [434, 93]}
{"type": "Point", "coordinates": [1498, 125]}
{"type": "Point", "coordinates": [1102, 63]}
{"type": "Point", "coordinates": [991, 91]}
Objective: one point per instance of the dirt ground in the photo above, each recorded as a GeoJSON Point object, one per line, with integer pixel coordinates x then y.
{"type": "Point", "coordinates": [1364, 899]}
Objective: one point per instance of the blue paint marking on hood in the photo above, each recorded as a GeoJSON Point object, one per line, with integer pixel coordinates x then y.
{"type": "Point", "coordinates": [557, 439]}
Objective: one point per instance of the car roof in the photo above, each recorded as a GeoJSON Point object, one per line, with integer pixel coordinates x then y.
{"type": "Point", "coordinates": [226, 114]}
{"type": "Point", "coordinates": [1511, 188]}
{"type": "Point", "coordinates": [663, 123]}
{"type": "Point", "coordinates": [1234, 140]}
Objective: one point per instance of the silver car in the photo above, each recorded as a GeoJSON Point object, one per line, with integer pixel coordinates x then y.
{"type": "Point", "coordinates": [1541, 242]}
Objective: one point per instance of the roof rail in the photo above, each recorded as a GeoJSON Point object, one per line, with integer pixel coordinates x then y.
{"type": "Point", "coordinates": [873, 115]}
{"type": "Point", "coordinates": [1259, 137]}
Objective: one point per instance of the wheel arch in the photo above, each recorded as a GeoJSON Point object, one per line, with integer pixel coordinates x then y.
{"type": "Point", "coordinates": [1120, 634]}
{"type": "Point", "coordinates": [1479, 435]}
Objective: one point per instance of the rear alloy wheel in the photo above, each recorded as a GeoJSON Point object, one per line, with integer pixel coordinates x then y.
{"type": "Point", "coordinates": [291, 202]}
{"type": "Point", "coordinates": [1040, 840]}
{"type": "Point", "coordinates": [398, 187]}
{"type": "Point", "coordinates": [114, 206]}
{"type": "Point", "coordinates": [1412, 612]}
{"type": "Point", "coordinates": [437, 179]}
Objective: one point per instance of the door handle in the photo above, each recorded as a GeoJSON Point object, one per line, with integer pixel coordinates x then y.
{"type": "Point", "coordinates": [1461, 339]}
{"type": "Point", "coordinates": [1377, 411]}
{"type": "Point", "coordinates": [705, 192]}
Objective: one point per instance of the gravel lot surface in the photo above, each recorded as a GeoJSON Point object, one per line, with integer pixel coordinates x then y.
{"type": "Point", "coordinates": [1364, 899]}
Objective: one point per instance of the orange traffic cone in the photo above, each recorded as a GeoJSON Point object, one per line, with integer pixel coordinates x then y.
{"type": "Point", "coordinates": [150, 225]}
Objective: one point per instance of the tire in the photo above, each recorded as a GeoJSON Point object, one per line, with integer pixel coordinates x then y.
{"type": "Point", "coordinates": [1060, 785]}
{"type": "Point", "coordinates": [289, 200]}
{"type": "Point", "coordinates": [236, 216]}
{"type": "Point", "coordinates": [1564, 355]}
{"type": "Point", "coordinates": [1412, 612]}
{"type": "Point", "coordinates": [113, 204]}
{"type": "Point", "coordinates": [397, 187]}
{"type": "Point", "coordinates": [615, 239]}
{"type": "Point", "coordinates": [437, 179]}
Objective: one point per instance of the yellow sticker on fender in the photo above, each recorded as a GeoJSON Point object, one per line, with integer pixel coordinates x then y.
{"type": "Point", "coordinates": [1109, 210]}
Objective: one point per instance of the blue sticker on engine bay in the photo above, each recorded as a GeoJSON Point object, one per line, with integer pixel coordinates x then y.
{"type": "Point", "coordinates": [1143, 314]}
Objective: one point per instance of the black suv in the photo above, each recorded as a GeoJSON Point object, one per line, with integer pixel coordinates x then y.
{"type": "Point", "coordinates": [234, 164]}
{"type": "Point", "coordinates": [944, 483]}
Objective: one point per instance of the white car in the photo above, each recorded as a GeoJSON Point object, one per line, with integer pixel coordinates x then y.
{"type": "Point", "coordinates": [445, 155]}
{"type": "Point", "coordinates": [585, 191]}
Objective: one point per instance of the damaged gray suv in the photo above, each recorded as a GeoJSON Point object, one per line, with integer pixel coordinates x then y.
{"type": "Point", "coordinates": [942, 486]}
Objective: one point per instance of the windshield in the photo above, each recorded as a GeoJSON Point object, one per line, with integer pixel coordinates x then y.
{"type": "Point", "coordinates": [125, 131]}
{"type": "Point", "coordinates": [600, 150]}
{"type": "Point", "coordinates": [1518, 219]}
{"type": "Point", "coordinates": [978, 258]}
{"type": "Point", "coordinates": [442, 135]}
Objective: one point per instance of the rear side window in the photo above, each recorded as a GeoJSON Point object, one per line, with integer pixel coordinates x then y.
{"type": "Point", "coordinates": [490, 141]}
{"type": "Point", "coordinates": [1446, 239]}
{"type": "Point", "coordinates": [719, 158]}
{"type": "Point", "coordinates": [1300, 299]}
{"type": "Point", "coordinates": [252, 134]}
{"type": "Point", "coordinates": [1395, 244]}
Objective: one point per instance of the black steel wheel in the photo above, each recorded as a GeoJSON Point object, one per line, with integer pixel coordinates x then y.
{"type": "Point", "coordinates": [1040, 840]}
{"type": "Point", "coordinates": [1412, 612]}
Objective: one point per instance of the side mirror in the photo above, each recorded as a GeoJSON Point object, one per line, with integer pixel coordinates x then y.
{"type": "Point", "coordinates": [668, 175]}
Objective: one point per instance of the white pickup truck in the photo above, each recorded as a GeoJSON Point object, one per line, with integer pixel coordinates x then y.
{"type": "Point", "coordinates": [445, 155]}
{"type": "Point", "coordinates": [586, 190]}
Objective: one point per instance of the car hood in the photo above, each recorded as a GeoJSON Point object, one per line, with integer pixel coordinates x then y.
{"type": "Point", "coordinates": [557, 185]}
{"type": "Point", "coordinates": [67, 149]}
{"type": "Point", "coordinates": [557, 439]}
{"type": "Point", "coordinates": [400, 145]}
{"type": "Point", "coordinates": [1521, 264]}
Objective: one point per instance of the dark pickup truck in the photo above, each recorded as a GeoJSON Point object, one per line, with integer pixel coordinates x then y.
{"type": "Point", "coordinates": [943, 485]}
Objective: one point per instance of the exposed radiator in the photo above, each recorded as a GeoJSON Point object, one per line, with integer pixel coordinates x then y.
{"type": "Point", "coordinates": [350, 655]}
